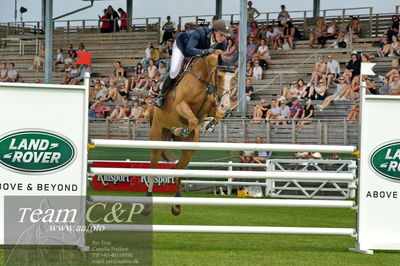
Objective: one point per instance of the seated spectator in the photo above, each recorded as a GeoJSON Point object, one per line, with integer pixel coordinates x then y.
{"type": "Point", "coordinates": [353, 67]}
{"type": "Point", "coordinates": [3, 72]}
{"type": "Point", "coordinates": [249, 89]}
{"type": "Point", "coordinates": [117, 113]}
{"type": "Point", "coordinates": [59, 59]}
{"type": "Point", "coordinates": [261, 112]}
{"type": "Point", "coordinates": [12, 74]}
{"type": "Point", "coordinates": [82, 70]}
{"type": "Point", "coordinates": [167, 53]}
{"type": "Point", "coordinates": [138, 76]}
{"type": "Point", "coordinates": [254, 31]}
{"type": "Point", "coordinates": [330, 34]}
{"type": "Point", "coordinates": [333, 70]}
{"type": "Point", "coordinates": [290, 34]}
{"type": "Point", "coordinates": [152, 73]}
{"type": "Point", "coordinates": [168, 29]}
{"type": "Point", "coordinates": [292, 92]}
{"type": "Point", "coordinates": [354, 28]}
{"type": "Point", "coordinates": [355, 85]}
{"type": "Point", "coordinates": [94, 91]}
{"type": "Point", "coordinates": [247, 156]}
{"type": "Point", "coordinates": [342, 40]}
{"type": "Point", "coordinates": [154, 90]}
{"type": "Point", "coordinates": [147, 55]}
{"type": "Point", "coordinates": [302, 88]}
{"type": "Point", "coordinates": [231, 49]}
{"type": "Point", "coordinates": [385, 87]}
{"type": "Point", "coordinates": [319, 71]}
{"type": "Point", "coordinates": [342, 90]}
{"type": "Point", "coordinates": [371, 88]}
{"type": "Point", "coordinates": [257, 71]}
{"type": "Point", "coordinates": [394, 28]}
{"type": "Point", "coordinates": [283, 16]}
{"type": "Point", "coordinates": [249, 69]}
{"type": "Point", "coordinates": [136, 111]}
{"type": "Point", "coordinates": [162, 71]}
{"type": "Point", "coordinates": [251, 49]}
{"type": "Point", "coordinates": [296, 109]}
{"type": "Point", "coordinates": [308, 113]}
{"type": "Point", "coordinates": [285, 113]}
{"type": "Point", "coordinates": [320, 90]}
{"type": "Point", "coordinates": [354, 114]}
{"type": "Point", "coordinates": [273, 37]}
{"type": "Point", "coordinates": [320, 30]}
{"type": "Point", "coordinates": [38, 60]}
{"type": "Point", "coordinates": [275, 113]}
{"type": "Point", "coordinates": [390, 75]}
{"type": "Point", "coordinates": [98, 110]}
{"type": "Point", "coordinates": [262, 54]}
{"type": "Point", "coordinates": [124, 20]}
{"type": "Point", "coordinates": [72, 55]}
{"type": "Point", "coordinates": [73, 74]}
{"type": "Point", "coordinates": [394, 47]}
{"type": "Point", "coordinates": [394, 86]}
{"type": "Point", "coordinates": [81, 47]}
{"type": "Point", "coordinates": [384, 46]}
{"type": "Point", "coordinates": [105, 22]}
{"type": "Point", "coordinates": [119, 71]}
{"type": "Point", "coordinates": [261, 156]}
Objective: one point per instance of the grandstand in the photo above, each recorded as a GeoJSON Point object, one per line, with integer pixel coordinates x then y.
{"type": "Point", "coordinates": [20, 43]}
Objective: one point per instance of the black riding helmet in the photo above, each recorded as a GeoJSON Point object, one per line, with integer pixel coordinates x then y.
{"type": "Point", "coordinates": [222, 27]}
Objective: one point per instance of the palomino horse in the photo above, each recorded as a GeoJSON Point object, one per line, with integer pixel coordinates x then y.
{"type": "Point", "coordinates": [203, 86]}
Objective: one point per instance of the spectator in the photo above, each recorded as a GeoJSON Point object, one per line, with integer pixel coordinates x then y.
{"type": "Point", "coordinates": [252, 13]}
{"type": "Point", "coordinates": [353, 67]}
{"type": "Point", "coordinates": [295, 109]}
{"type": "Point", "coordinates": [391, 74]}
{"type": "Point", "coordinates": [285, 113]}
{"type": "Point", "coordinates": [254, 31]}
{"type": "Point", "coordinates": [166, 51]}
{"type": "Point", "coordinates": [394, 29]}
{"type": "Point", "coordinates": [231, 49]}
{"type": "Point", "coordinates": [341, 90]}
{"type": "Point", "coordinates": [154, 90]}
{"type": "Point", "coordinates": [308, 113]}
{"type": "Point", "coordinates": [394, 86]}
{"type": "Point", "coordinates": [162, 71]}
{"type": "Point", "coordinates": [262, 54]}
{"type": "Point", "coordinates": [147, 55]}
{"type": "Point", "coordinates": [371, 88]}
{"type": "Point", "coordinates": [385, 87]}
{"type": "Point", "coordinates": [330, 34]}
{"type": "Point", "coordinates": [124, 20]}
{"type": "Point", "coordinates": [119, 71]}
{"type": "Point", "coordinates": [12, 74]}
{"type": "Point", "coordinates": [355, 85]}
{"type": "Point", "coordinates": [38, 60]}
{"type": "Point", "coordinates": [93, 91]}
{"type": "Point", "coordinates": [117, 113]}
{"type": "Point", "coordinates": [319, 71]}
{"type": "Point", "coordinates": [113, 16]}
{"type": "Point", "coordinates": [105, 22]}
{"type": "Point", "coordinates": [59, 59]}
{"type": "Point", "coordinates": [354, 114]}
{"type": "Point", "coordinates": [152, 73]}
{"type": "Point", "coordinates": [73, 74]}
{"type": "Point", "coordinates": [354, 28]}
{"type": "Point", "coordinates": [3, 72]}
{"type": "Point", "coordinates": [302, 88]}
{"type": "Point", "coordinates": [275, 113]}
{"type": "Point", "coordinates": [274, 36]}
{"type": "Point", "coordinates": [251, 49]}
{"type": "Point", "coordinates": [261, 112]}
{"type": "Point", "coordinates": [320, 90]}
{"type": "Point", "coordinates": [249, 89]}
{"type": "Point", "coordinates": [70, 58]}
{"type": "Point", "coordinates": [320, 30]}
{"type": "Point", "coordinates": [138, 77]}
{"type": "Point", "coordinates": [81, 47]}
{"type": "Point", "coordinates": [342, 40]}
{"type": "Point", "coordinates": [394, 47]}
{"type": "Point", "coordinates": [257, 71]}
{"type": "Point", "coordinates": [98, 110]}
{"type": "Point", "coordinates": [82, 70]}
{"type": "Point", "coordinates": [168, 29]}
{"type": "Point", "coordinates": [384, 46]}
{"type": "Point", "coordinates": [316, 156]}
{"type": "Point", "coordinates": [136, 111]}
{"type": "Point", "coordinates": [283, 16]}
{"type": "Point", "coordinates": [290, 34]}
{"type": "Point", "coordinates": [292, 92]}
{"type": "Point", "coordinates": [249, 69]}
{"type": "Point", "coordinates": [333, 69]}
{"type": "Point", "coordinates": [247, 156]}
{"type": "Point", "coordinates": [261, 156]}
{"type": "Point", "coordinates": [103, 93]}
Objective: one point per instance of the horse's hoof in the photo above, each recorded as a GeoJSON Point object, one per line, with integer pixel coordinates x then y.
{"type": "Point", "coordinates": [176, 210]}
{"type": "Point", "coordinates": [211, 126]}
{"type": "Point", "coordinates": [181, 132]}
{"type": "Point", "coordinates": [146, 210]}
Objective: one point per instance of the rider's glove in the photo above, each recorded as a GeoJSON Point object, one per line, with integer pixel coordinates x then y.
{"type": "Point", "coordinates": [207, 52]}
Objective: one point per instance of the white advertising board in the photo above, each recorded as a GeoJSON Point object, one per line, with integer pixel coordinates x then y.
{"type": "Point", "coordinates": [379, 174]}
{"type": "Point", "coordinates": [43, 143]}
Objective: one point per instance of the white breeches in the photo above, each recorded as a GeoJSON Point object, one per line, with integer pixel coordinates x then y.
{"type": "Point", "coordinates": [176, 61]}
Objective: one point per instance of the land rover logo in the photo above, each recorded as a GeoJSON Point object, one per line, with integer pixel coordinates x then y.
{"type": "Point", "coordinates": [385, 160]}
{"type": "Point", "coordinates": [35, 151]}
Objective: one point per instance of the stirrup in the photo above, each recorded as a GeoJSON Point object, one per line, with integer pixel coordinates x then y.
{"type": "Point", "coordinates": [159, 102]}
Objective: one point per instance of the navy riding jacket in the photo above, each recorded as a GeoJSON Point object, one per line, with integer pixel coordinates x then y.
{"type": "Point", "coordinates": [193, 42]}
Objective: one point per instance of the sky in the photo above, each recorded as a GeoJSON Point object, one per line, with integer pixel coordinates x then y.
{"type": "Point", "coordinates": [175, 8]}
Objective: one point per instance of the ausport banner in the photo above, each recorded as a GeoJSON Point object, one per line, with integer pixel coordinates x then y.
{"type": "Point", "coordinates": [161, 184]}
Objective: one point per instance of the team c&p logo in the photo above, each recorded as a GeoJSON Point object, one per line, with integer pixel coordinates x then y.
{"type": "Point", "coordinates": [385, 160]}
{"type": "Point", "coordinates": [32, 151]}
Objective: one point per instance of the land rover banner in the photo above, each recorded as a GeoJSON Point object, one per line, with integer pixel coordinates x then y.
{"type": "Point", "coordinates": [43, 145]}
{"type": "Point", "coordinates": [379, 183]}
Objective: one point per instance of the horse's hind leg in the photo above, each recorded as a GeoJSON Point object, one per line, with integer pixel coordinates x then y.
{"type": "Point", "coordinates": [186, 157]}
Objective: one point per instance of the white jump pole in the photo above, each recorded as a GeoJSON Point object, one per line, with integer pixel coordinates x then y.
{"type": "Point", "coordinates": [226, 229]}
{"type": "Point", "coordinates": [226, 201]}
{"type": "Point", "coordinates": [220, 146]}
{"type": "Point", "coordinates": [223, 174]}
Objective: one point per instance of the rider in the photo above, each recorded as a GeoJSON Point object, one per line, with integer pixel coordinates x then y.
{"type": "Point", "coordinates": [199, 42]}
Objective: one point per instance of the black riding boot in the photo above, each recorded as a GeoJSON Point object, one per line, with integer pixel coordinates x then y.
{"type": "Point", "coordinates": [167, 84]}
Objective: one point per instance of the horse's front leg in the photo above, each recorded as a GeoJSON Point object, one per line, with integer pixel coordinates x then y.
{"type": "Point", "coordinates": [184, 110]}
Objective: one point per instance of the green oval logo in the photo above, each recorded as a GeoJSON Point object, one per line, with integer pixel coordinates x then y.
{"type": "Point", "coordinates": [385, 160]}
{"type": "Point", "coordinates": [36, 151]}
